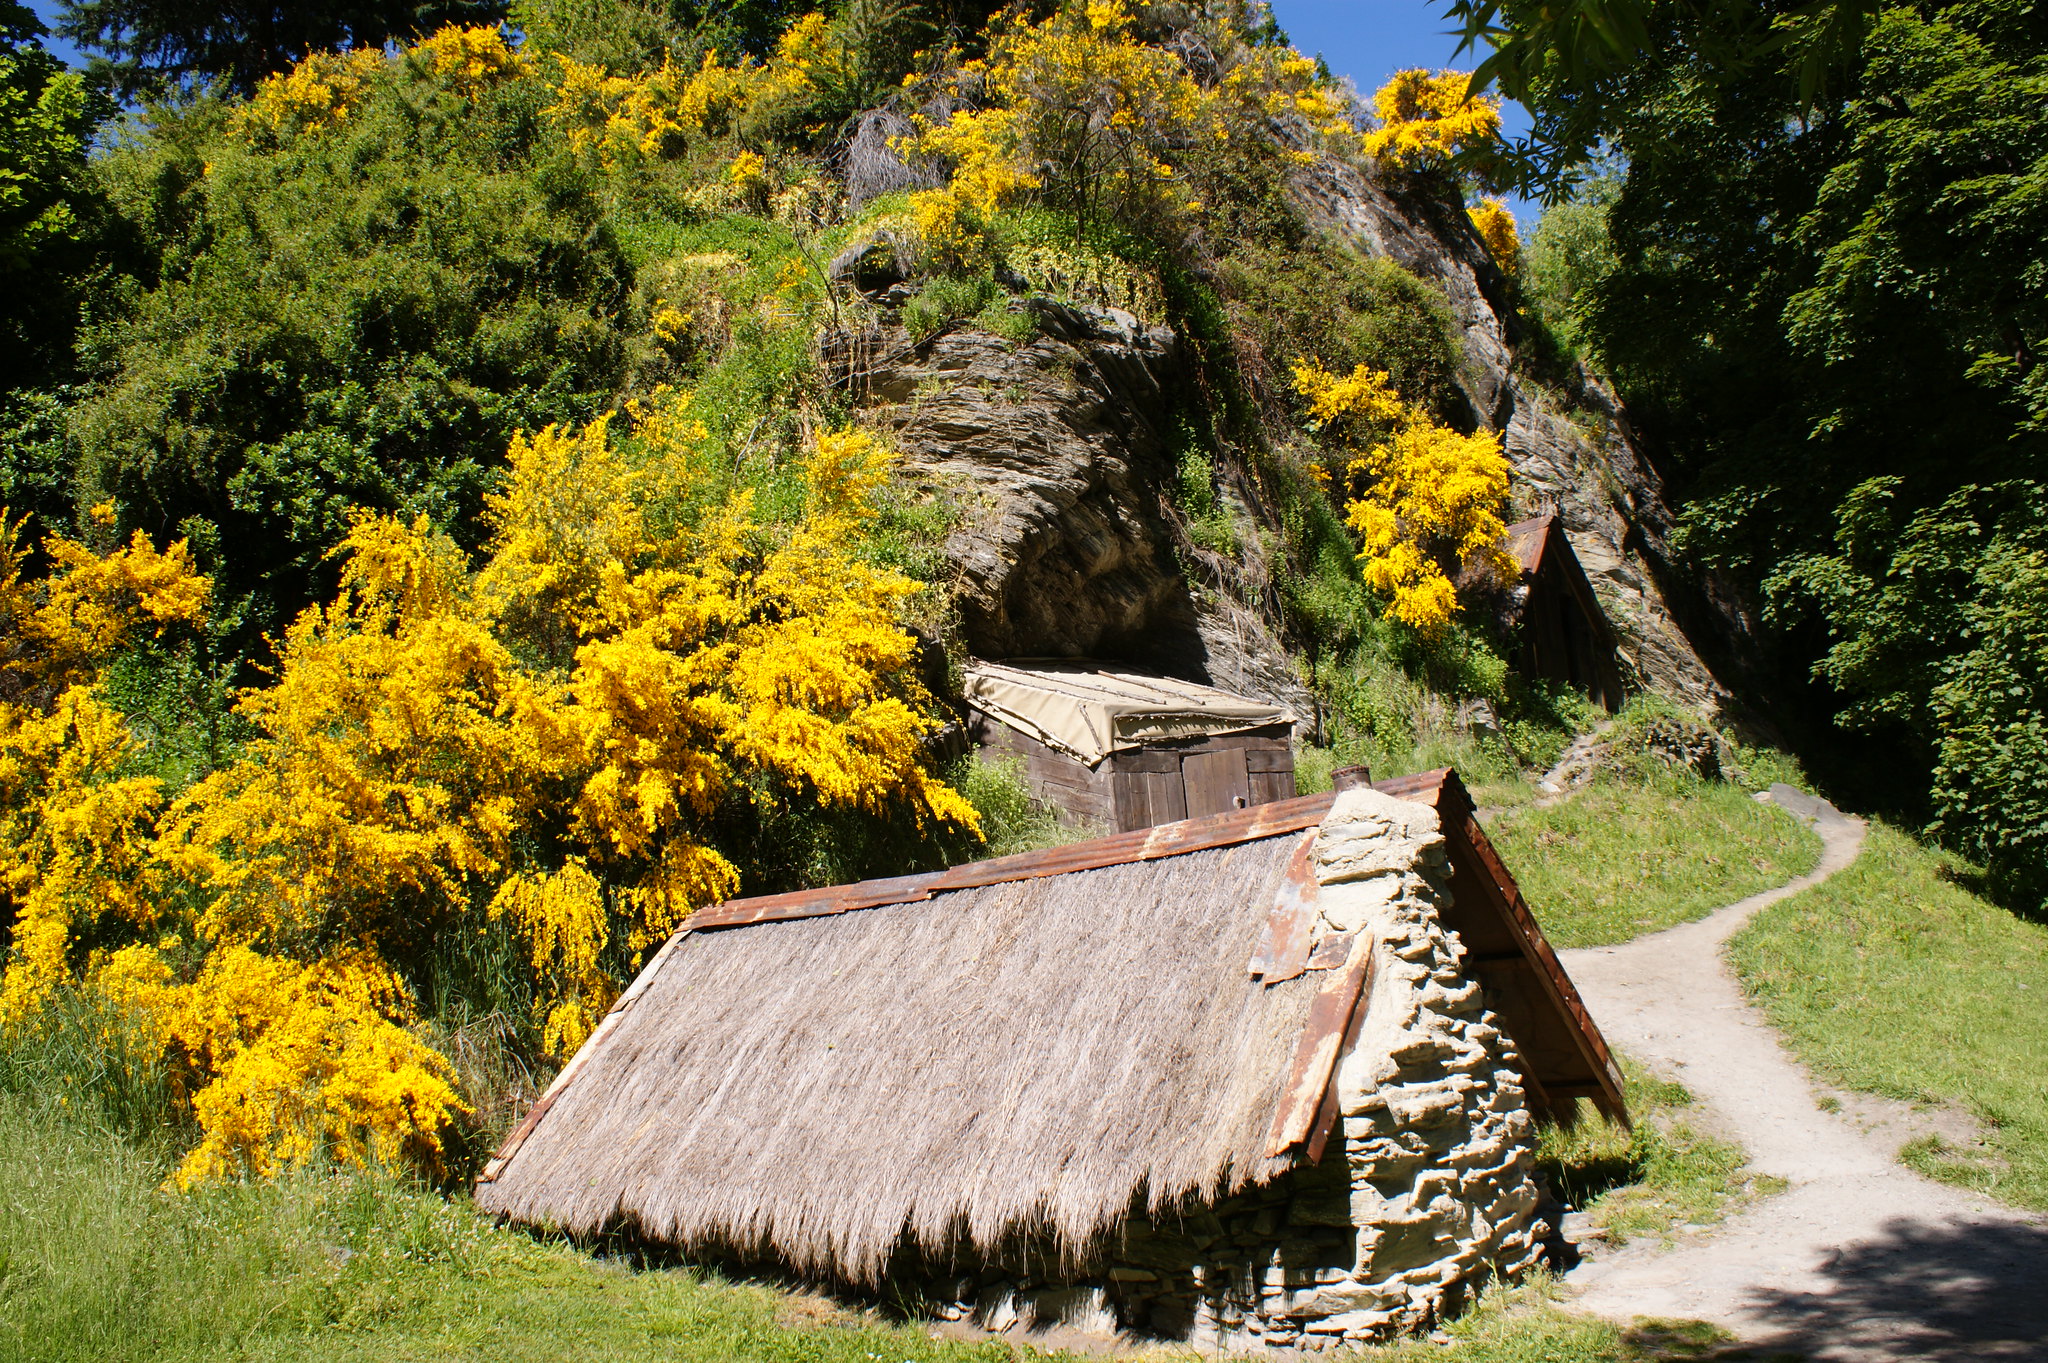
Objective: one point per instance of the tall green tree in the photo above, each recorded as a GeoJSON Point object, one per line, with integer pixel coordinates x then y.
{"type": "Point", "coordinates": [1827, 309]}
{"type": "Point", "coordinates": [1575, 63]}
{"type": "Point", "coordinates": [350, 314]}
{"type": "Point", "coordinates": [48, 228]}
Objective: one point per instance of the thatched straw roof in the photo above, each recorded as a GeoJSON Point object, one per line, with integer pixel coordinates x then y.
{"type": "Point", "coordinates": [1019, 1046]}
{"type": "Point", "coordinates": [1025, 1055]}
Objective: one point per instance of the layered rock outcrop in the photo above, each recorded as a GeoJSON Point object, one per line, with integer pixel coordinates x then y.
{"type": "Point", "coordinates": [1056, 452]}
{"type": "Point", "coordinates": [1569, 442]}
{"type": "Point", "coordinates": [1053, 454]}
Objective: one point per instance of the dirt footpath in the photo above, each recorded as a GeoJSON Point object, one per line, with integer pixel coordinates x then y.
{"type": "Point", "coordinates": [1860, 1259]}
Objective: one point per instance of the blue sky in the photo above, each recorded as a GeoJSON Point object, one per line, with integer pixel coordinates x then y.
{"type": "Point", "coordinates": [46, 10]}
{"type": "Point", "coordinates": [1367, 40]}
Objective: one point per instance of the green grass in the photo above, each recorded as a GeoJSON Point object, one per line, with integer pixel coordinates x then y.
{"type": "Point", "coordinates": [1011, 821]}
{"type": "Point", "coordinates": [1894, 978]}
{"type": "Point", "coordinates": [98, 1262]}
{"type": "Point", "coordinates": [1619, 860]}
{"type": "Point", "coordinates": [1663, 1174]}
{"type": "Point", "coordinates": [1523, 1326]}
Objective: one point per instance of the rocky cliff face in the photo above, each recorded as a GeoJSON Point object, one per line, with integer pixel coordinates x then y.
{"type": "Point", "coordinates": [1055, 452]}
{"type": "Point", "coordinates": [1570, 445]}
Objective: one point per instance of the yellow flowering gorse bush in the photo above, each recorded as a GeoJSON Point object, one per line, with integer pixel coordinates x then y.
{"type": "Point", "coordinates": [1496, 227]}
{"type": "Point", "coordinates": [542, 740]}
{"type": "Point", "coordinates": [1426, 493]}
{"type": "Point", "coordinates": [1425, 117]}
{"type": "Point", "coordinates": [625, 120]}
{"type": "Point", "coordinates": [314, 95]}
{"type": "Point", "coordinates": [323, 88]}
{"type": "Point", "coordinates": [1080, 111]}
{"type": "Point", "coordinates": [469, 60]}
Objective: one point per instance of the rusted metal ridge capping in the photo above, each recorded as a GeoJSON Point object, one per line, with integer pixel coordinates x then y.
{"type": "Point", "coordinates": [1118, 849]}
{"type": "Point", "coordinates": [1307, 1107]}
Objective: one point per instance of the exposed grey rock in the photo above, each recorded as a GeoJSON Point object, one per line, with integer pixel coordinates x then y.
{"type": "Point", "coordinates": [871, 265]}
{"type": "Point", "coordinates": [1051, 450]}
{"type": "Point", "coordinates": [1572, 451]}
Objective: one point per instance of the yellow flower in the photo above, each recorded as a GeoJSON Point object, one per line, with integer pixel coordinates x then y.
{"type": "Point", "coordinates": [1426, 116]}
{"type": "Point", "coordinates": [470, 60]}
{"type": "Point", "coordinates": [1496, 227]}
{"type": "Point", "coordinates": [1429, 495]}
{"type": "Point", "coordinates": [747, 170]}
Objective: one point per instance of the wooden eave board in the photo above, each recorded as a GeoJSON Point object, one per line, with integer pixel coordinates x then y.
{"type": "Point", "coordinates": [1538, 1005]}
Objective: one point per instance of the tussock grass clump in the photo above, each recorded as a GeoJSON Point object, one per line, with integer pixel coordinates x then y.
{"type": "Point", "coordinates": [1898, 977]}
{"type": "Point", "coordinates": [1011, 821]}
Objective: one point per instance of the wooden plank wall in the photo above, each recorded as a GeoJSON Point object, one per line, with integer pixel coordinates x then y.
{"type": "Point", "coordinates": [1077, 793]}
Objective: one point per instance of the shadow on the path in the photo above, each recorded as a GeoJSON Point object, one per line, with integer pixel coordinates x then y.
{"type": "Point", "coordinates": [1974, 1290]}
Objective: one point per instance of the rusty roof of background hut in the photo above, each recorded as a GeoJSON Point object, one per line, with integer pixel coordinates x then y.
{"type": "Point", "coordinates": [1528, 539]}
{"type": "Point", "coordinates": [1025, 1043]}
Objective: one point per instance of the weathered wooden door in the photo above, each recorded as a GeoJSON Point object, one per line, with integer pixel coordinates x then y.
{"type": "Point", "coordinates": [1217, 782]}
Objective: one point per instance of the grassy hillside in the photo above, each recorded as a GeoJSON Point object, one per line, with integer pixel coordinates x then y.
{"type": "Point", "coordinates": [1897, 976]}
{"type": "Point", "coordinates": [99, 1264]}
{"type": "Point", "coordinates": [1622, 858]}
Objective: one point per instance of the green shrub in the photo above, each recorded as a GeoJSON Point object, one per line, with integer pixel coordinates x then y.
{"type": "Point", "coordinates": [1567, 256]}
{"type": "Point", "coordinates": [1326, 302]}
{"type": "Point", "coordinates": [1103, 265]}
{"type": "Point", "coordinates": [362, 317]}
{"type": "Point", "coordinates": [1011, 820]}
{"type": "Point", "coordinates": [944, 299]}
{"type": "Point", "coordinates": [1941, 626]}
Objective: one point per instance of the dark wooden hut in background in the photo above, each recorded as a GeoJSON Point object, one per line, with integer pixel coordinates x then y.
{"type": "Point", "coordinates": [1124, 749]}
{"type": "Point", "coordinates": [1562, 631]}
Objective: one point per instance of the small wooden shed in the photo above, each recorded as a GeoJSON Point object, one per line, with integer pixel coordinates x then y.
{"type": "Point", "coordinates": [1124, 749]}
{"type": "Point", "coordinates": [1563, 633]}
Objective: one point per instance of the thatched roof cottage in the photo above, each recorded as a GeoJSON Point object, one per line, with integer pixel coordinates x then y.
{"type": "Point", "coordinates": [1269, 1077]}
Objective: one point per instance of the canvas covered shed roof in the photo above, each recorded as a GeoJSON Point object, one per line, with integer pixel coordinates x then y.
{"type": "Point", "coordinates": [1021, 1044]}
{"type": "Point", "coordinates": [1090, 711]}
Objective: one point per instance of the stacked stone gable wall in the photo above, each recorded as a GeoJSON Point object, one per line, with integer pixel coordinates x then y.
{"type": "Point", "coordinates": [1430, 1191]}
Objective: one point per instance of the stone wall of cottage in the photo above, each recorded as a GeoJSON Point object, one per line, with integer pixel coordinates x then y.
{"type": "Point", "coordinates": [1430, 1192]}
